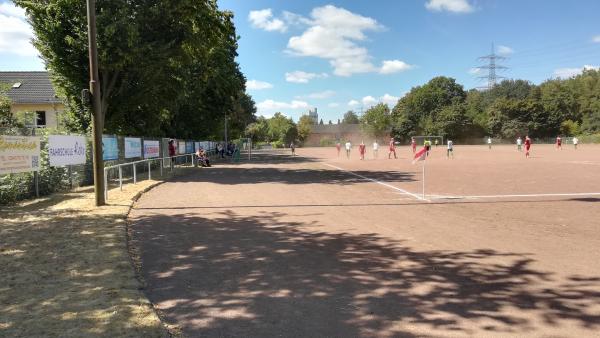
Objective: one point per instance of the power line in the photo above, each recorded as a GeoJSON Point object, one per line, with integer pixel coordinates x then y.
{"type": "Point", "coordinates": [492, 68]}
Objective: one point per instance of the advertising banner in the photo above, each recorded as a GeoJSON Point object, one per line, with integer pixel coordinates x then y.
{"type": "Point", "coordinates": [110, 148]}
{"type": "Point", "coordinates": [181, 148]}
{"type": "Point", "coordinates": [19, 154]}
{"type": "Point", "coordinates": [66, 150]}
{"type": "Point", "coordinates": [133, 147]}
{"type": "Point", "coordinates": [198, 145]}
{"type": "Point", "coordinates": [151, 149]}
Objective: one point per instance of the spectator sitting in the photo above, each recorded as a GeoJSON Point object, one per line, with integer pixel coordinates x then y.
{"type": "Point", "coordinates": [202, 158]}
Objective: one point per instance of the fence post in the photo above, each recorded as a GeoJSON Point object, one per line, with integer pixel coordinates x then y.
{"type": "Point", "coordinates": [162, 163]}
{"type": "Point", "coordinates": [36, 175]}
{"type": "Point", "coordinates": [70, 176]}
{"type": "Point", "coordinates": [105, 185]}
{"type": "Point", "coordinates": [134, 173]}
{"type": "Point", "coordinates": [149, 171]}
{"type": "Point", "coordinates": [120, 178]}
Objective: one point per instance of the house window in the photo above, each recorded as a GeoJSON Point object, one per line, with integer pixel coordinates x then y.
{"type": "Point", "coordinates": [40, 118]}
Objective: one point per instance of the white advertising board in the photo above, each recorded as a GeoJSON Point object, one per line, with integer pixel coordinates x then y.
{"type": "Point", "coordinates": [66, 150]}
{"type": "Point", "coordinates": [181, 147]}
{"type": "Point", "coordinates": [133, 147]}
{"type": "Point", "coordinates": [151, 149]}
{"type": "Point", "coordinates": [19, 154]}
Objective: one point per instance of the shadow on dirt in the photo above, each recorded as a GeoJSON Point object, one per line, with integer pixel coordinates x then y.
{"type": "Point", "coordinates": [236, 275]}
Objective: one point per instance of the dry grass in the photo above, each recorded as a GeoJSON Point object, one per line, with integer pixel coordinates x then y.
{"type": "Point", "coordinates": [65, 270]}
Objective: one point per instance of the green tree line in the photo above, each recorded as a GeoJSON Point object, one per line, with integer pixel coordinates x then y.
{"type": "Point", "coordinates": [167, 67]}
{"type": "Point", "coordinates": [565, 107]}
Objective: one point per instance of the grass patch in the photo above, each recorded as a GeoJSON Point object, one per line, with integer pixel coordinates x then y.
{"type": "Point", "coordinates": [65, 269]}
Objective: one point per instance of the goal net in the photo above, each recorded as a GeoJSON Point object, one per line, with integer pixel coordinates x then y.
{"type": "Point", "coordinates": [422, 138]}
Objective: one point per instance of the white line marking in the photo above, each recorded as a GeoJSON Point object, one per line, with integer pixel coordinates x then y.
{"type": "Point", "coordinates": [518, 195]}
{"type": "Point", "coordinates": [376, 181]}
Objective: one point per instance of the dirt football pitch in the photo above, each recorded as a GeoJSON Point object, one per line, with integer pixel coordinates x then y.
{"type": "Point", "coordinates": [318, 245]}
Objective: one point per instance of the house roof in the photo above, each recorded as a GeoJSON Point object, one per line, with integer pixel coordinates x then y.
{"type": "Point", "coordinates": [29, 87]}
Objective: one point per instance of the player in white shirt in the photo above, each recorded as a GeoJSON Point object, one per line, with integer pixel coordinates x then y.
{"type": "Point", "coordinates": [519, 144]}
{"type": "Point", "coordinates": [575, 142]}
{"type": "Point", "coordinates": [489, 142]}
{"type": "Point", "coordinates": [348, 148]}
{"type": "Point", "coordinates": [375, 148]}
{"type": "Point", "coordinates": [450, 151]}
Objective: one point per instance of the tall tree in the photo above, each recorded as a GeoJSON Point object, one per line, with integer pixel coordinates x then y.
{"type": "Point", "coordinates": [350, 118]}
{"type": "Point", "coordinates": [376, 121]}
{"type": "Point", "coordinates": [304, 127]}
{"type": "Point", "coordinates": [161, 62]}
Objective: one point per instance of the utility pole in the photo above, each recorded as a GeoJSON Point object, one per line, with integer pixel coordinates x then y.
{"type": "Point", "coordinates": [226, 143]}
{"type": "Point", "coordinates": [97, 117]}
{"type": "Point", "coordinates": [492, 67]}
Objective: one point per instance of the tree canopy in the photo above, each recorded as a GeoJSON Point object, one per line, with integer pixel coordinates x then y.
{"type": "Point", "coordinates": [376, 121]}
{"type": "Point", "coordinates": [350, 118]}
{"type": "Point", "coordinates": [304, 127]}
{"type": "Point", "coordinates": [512, 108]}
{"type": "Point", "coordinates": [167, 67]}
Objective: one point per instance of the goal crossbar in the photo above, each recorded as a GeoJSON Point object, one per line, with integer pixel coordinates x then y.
{"type": "Point", "coordinates": [428, 137]}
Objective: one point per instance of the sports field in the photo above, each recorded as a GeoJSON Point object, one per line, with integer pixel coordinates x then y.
{"type": "Point", "coordinates": [319, 245]}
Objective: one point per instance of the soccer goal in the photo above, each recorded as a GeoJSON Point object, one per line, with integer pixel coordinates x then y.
{"type": "Point", "coordinates": [420, 140]}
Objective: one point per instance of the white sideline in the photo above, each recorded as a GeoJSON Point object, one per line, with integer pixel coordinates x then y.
{"type": "Point", "coordinates": [376, 181]}
{"type": "Point", "coordinates": [517, 195]}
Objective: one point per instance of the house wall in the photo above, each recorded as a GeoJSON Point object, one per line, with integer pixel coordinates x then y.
{"type": "Point", "coordinates": [52, 111]}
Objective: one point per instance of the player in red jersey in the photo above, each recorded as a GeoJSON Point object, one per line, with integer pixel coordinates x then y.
{"type": "Point", "coordinates": [392, 149]}
{"type": "Point", "coordinates": [527, 145]}
{"type": "Point", "coordinates": [558, 143]}
{"type": "Point", "coordinates": [413, 143]}
{"type": "Point", "coordinates": [362, 149]}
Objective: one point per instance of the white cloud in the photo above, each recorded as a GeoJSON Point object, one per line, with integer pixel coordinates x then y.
{"type": "Point", "coordinates": [390, 100]}
{"type": "Point", "coordinates": [294, 19]}
{"type": "Point", "coordinates": [257, 85]}
{"type": "Point", "coordinates": [369, 101]}
{"type": "Point", "coordinates": [393, 66]}
{"type": "Point", "coordinates": [9, 9]}
{"type": "Point", "coordinates": [505, 50]}
{"type": "Point", "coordinates": [333, 34]}
{"type": "Point", "coordinates": [274, 105]}
{"type": "Point", "coordinates": [596, 39]}
{"type": "Point", "coordinates": [263, 19]}
{"type": "Point", "coordinates": [353, 103]}
{"type": "Point", "coordinates": [303, 77]}
{"type": "Point", "coordinates": [456, 6]}
{"type": "Point", "coordinates": [333, 105]}
{"type": "Point", "coordinates": [15, 32]}
{"type": "Point", "coordinates": [474, 71]}
{"type": "Point", "coordinates": [321, 95]}
{"type": "Point", "coordinates": [570, 72]}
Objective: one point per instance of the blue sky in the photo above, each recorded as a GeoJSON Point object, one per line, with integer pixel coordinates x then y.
{"type": "Point", "coordinates": [341, 55]}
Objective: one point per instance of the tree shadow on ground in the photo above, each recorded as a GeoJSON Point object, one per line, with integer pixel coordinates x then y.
{"type": "Point", "coordinates": [266, 156]}
{"type": "Point", "coordinates": [238, 175]}
{"type": "Point", "coordinates": [236, 275]}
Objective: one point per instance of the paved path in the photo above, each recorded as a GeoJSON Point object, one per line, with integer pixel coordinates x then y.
{"type": "Point", "coordinates": [290, 247]}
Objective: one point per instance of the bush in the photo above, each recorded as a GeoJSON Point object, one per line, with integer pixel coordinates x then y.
{"type": "Point", "coordinates": [593, 138]}
{"type": "Point", "coordinates": [277, 144]}
{"type": "Point", "coordinates": [326, 142]}
{"type": "Point", "coordinates": [569, 128]}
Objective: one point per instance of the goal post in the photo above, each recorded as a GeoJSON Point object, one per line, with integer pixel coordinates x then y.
{"type": "Point", "coordinates": [420, 139]}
